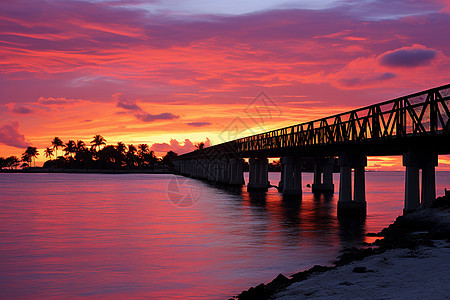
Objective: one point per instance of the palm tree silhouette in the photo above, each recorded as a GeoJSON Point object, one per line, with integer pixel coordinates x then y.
{"type": "Point", "coordinates": [32, 152]}
{"type": "Point", "coordinates": [26, 159]}
{"type": "Point", "coordinates": [56, 144]}
{"type": "Point", "coordinates": [142, 152]}
{"type": "Point", "coordinates": [80, 146]}
{"type": "Point", "coordinates": [70, 148]}
{"type": "Point", "coordinates": [98, 141]}
{"type": "Point", "coordinates": [131, 155]}
{"type": "Point", "coordinates": [48, 152]}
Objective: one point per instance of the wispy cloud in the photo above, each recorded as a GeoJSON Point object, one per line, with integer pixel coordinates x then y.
{"type": "Point", "coordinates": [139, 113]}
{"type": "Point", "coordinates": [21, 110]}
{"type": "Point", "coordinates": [199, 124]}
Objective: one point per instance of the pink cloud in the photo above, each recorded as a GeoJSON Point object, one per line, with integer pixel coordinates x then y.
{"type": "Point", "coordinates": [10, 135]}
{"type": "Point", "coordinates": [177, 147]}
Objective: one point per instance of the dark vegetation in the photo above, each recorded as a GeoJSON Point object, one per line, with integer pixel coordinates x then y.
{"type": "Point", "coordinates": [96, 155]}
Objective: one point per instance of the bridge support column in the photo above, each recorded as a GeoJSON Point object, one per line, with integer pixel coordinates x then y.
{"type": "Point", "coordinates": [258, 175]}
{"type": "Point", "coordinates": [281, 183]}
{"type": "Point", "coordinates": [216, 172]}
{"type": "Point", "coordinates": [209, 171]}
{"type": "Point", "coordinates": [323, 185]}
{"type": "Point", "coordinates": [236, 172]}
{"type": "Point", "coordinates": [415, 161]}
{"type": "Point", "coordinates": [226, 171]}
{"type": "Point", "coordinates": [292, 176]}
{"type": "Point", "coordinates": [222, 171]}
{"type": "Point", "coordinates": [348, 205]}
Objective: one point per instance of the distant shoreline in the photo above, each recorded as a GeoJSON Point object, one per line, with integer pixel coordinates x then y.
{"type": "Point", "coordinates": [91, 171]}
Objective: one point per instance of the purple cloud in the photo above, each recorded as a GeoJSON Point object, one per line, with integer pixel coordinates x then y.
{"type": "Point", "coordinates": [10, 135]}
{"type": "Point", "coordinates": [146, 117]}
{"type": "Point", "coordinates": [140, 114]}
{"type": "Point", "coordinates": [21, 110]}
{"type": "Point", "coordinates": [408, 58]}
{"type": "Point", "coordinates": [199, 124]}
{"type": "Point", "coordinates": [55, 101]}
{"type": "Point", "coordinates": [128, 105]}
{"type": "Point", "coordinates": [361, 81]}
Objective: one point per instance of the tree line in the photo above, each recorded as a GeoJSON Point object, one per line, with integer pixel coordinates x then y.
{"type": "Point", "coordinates": [97, 155]}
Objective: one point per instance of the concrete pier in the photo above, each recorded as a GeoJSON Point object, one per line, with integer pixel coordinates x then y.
{"type": "Point", "coordinates": [414, 162]}
{"type": "Point", "coordinates": [323, 176]}
{"type": "Point", "coordinates": [258, 174]}
{"type": "Point", "coordinates": [291, 176]}
{"type": "Point", "coordinates": [348, 205]}
{"type": "Point", "coordinates": [236, 172]}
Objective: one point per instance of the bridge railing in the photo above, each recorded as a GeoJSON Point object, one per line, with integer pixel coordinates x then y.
{"type": "Point", "coordinates": [423, 113]}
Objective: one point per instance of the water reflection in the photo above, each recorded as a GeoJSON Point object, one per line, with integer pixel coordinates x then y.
{"type": "Point", "coordinates": [120, 236]}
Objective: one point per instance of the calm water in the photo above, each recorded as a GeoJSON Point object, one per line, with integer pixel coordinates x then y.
{"type": "Point", "coordinates": [120, 236]}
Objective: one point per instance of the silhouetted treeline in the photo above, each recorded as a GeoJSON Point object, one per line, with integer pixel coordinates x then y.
{"type": "Point", "coordinates": [97, 155]}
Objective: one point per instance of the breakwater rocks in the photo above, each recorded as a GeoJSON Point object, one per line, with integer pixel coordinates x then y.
{"type": "Point", "coordinates": [419, 228]}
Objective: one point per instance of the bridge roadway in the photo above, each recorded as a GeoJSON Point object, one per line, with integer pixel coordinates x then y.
{"type": "Point", "coordinates": [416, 126]}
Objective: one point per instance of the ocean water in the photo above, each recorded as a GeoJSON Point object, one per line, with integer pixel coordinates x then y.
{"type": "Point", "coordinates": [136, 236]}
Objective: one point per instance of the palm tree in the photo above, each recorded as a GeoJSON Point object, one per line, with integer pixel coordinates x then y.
{"type": "Point", "coordinates": [121, 151]}
{"type": "Point", "coordinates": [56, 144]}
{"type": "Point", "coordinates": [70, 148]}
{"type": "Point", "coordinates": [143, 149]}
{"type": "Point", "coordinates": [200, 146]}
{"type": "Point", "coordinates": [98, 141]}
{"type": "Point", "coordinates": [80, 146]}
{"type": "Point", "coordinates": [26, 160]}
{"type": "Point", "coordinates": [131, 155]}
{"type": "Point", "coordinates": [48, 152]}
{"type": "Point", "coordinates": [169, 157]}
{"type": "Point", "coordinates": [142, 152]}
{"type": "Point", "coordinates": [33, 153]}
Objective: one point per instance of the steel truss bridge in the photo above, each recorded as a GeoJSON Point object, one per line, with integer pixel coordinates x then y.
{"type": "Point", "coordinates": [416, 126]}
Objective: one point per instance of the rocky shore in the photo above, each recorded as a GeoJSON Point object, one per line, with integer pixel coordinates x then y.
{"type": "Point", "coordinates": [423, 231]}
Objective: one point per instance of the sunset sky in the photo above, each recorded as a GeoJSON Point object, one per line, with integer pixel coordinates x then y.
{"type": "Point", "coordinates": [173, 73]}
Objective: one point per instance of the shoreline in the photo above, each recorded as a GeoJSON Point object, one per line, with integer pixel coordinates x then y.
{"type": "Point", "coordinates": [90, 171]}
{"type": "Point", "coordinates": [422, 231]}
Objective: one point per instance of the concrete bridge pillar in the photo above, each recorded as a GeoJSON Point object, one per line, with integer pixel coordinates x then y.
{"type": "Point", "coordinates": [291, 176]}
{"type": "Point", "coordinates": [209, 171]}
{"type": "Point", "coordinates": [258, 175]}
{"type": "Point", "coordinates": [226, 171]}
{"type": "Point", "coordinates": [281, 183]}
{"type": "Point", "coordinates": [216, 170]}
{"type": "Point", "coordinates": [236, 173]}
{"type": "Point", "coordinates": [222, 171]}
{"type": "Point", "coordinates": [415, 161]}
{"type": "Point", "coordinates": [182, 167]}
{"type": "Point", "coordinates": [348, 205]}
{"type": "Point", "coordinates": [323, 175]}
{"type": "Point", "coordinates": [188, 167]}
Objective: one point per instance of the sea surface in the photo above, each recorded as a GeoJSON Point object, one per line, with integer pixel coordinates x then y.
{"type": "Point", "coordinates": [136, 236]}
